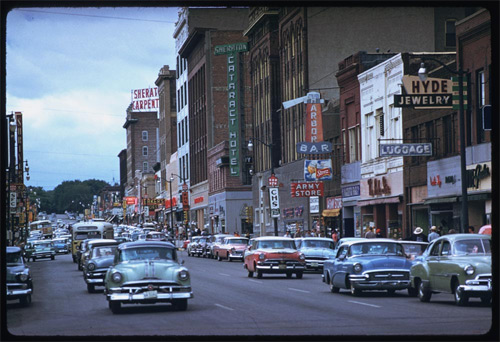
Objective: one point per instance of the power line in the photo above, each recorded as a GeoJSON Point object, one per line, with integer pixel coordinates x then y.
{"type": "Point", "coordinates": [96, 16]}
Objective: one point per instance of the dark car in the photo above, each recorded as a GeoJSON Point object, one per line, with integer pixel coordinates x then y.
{"type": "Point", "coordinates": [19, 282]}
{"type": "Point", "coordinates": [101, 256]}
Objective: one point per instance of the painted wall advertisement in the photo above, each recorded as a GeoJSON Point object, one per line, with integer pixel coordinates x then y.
{"type": "Point", "coordinates": [145, 100]}
{"type": "Point", "coordinates": [317, 170]}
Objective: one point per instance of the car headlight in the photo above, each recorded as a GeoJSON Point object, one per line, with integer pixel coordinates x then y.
{"type": "Point", "coordinates": [357, 267]}
{"type": "Point", "coordinates": [91, 267]}
{"type": "Point", "coordinates": [302, 256]}
{"type": "Point", "coordinates": [116, 277]}
{"type": "Point", "coordinates": [22, 276]}
{"type": "Point", "coordinates": [469, 270]}
{"type": "Point", "coordinates": [183, 275]}
{"type": "Point", "coordinates": [262, 256]}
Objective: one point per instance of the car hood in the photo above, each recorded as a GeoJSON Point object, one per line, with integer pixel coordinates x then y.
{"type": "Point", "coordinates": [482, 263]}
{"type": "Point", "coordinates": [277, 253]}
{"type": "Point", "coordinates": [104, 261]}
{"type": "Point", "coordinates": [42, 250]}
{"type": "Point", "coordinates": [383, 262]}
{"type": "Point", "coordinates": [237, 247]}
{"type": "Point", "coordinates": [318, 252]}
{"type": "Point", "coordinates": [147, 269]}
{"type": "Point", "coordinates": [13, 270]}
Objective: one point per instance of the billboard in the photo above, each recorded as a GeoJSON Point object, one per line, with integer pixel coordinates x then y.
{"type": "Point", "coordinates": [145, 100]}
{"type": "Point", "coordinates": [317, 170]}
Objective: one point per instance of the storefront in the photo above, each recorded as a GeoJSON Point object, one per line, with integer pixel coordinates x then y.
{"type": "Point", "coordinates": [332, 215]}
{"type": "Point", "coordinates": [198, 204]}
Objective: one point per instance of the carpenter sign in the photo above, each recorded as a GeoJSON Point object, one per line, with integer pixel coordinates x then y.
{"type": "Point", "coordinates": [405, 150]}
{"type": "Point", "coordinates": [145, 99]}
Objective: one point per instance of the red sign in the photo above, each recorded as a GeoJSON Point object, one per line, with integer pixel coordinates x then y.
{"type": "Point", "coordinates": [307, 189]}
{"type": "Point", "coordinates": [314, 123]}
{"type": "Point", "coordinates": [174, 202]}
{"type": "Point", "coordinates": [130, 200]}
{"type": "Point", "coordinates": [273, 181]}
{"type": "Point", "coordinates": [198, 200]}
{"type": "Point", "coordinates": [184, 186]}
{"type": "Point", "coordinates": [185, 199]}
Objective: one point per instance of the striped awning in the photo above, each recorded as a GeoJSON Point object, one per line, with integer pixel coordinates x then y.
{"type": "Point", "coordinates": [331, 212]}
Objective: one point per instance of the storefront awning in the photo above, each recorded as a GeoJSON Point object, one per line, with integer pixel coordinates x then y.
{"type": "Point", "coordinates": [331, 212]}
{"type": "Point", "coordinates": [384, 200]}
{"type": "Point", "coordinates": [452, 199]}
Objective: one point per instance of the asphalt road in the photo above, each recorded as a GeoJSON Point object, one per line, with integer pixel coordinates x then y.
{"type": "Point", "coordinates": [227, 302]}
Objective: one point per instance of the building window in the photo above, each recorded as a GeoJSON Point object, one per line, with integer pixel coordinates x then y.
{"type": "Point", "coordinates": [450, 34]}
{"type": "Point", "coordinates": [481, 101]}
{"type": "Point", "coordinates": [145, 167]}
{"type": "Point", "coordinates": [380, 123]}
{"type": "Point", "coordinates": [145, 151]}
{"type": "Point", "coordinates": [369, 154]}
{"type": "Point", "coordinates": [144, 135]}
{"type": "Point", "coordinates": [353, 145]}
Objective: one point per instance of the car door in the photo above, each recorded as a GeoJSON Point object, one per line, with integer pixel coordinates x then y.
{"type": "Point", "coordinates": [433, 264]}
{"type": "Point", "coordinates": [339, 267]}
{"type": "Point", "coordinates": [443, 268]}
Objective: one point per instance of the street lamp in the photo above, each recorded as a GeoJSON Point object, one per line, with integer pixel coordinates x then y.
{"type": "Point", "coordinates": [422, 74]}
{"type": "Point", "coordinates": [270, 146]}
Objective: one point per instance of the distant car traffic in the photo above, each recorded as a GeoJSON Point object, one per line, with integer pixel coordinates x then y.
{"type": "Point", "coordinates": [147, 272]}
{"type": "Point", "coordinates": [459, 264]}
{"type": "Point", "coordinates": [316, 251]}
{"type": "Point", "coordinates": [19, 283]}
{"type": "Point", "coordinates": [41, 249]}
{"type": "Point", "coordinates": [231, 248]}
{"type": "Point", "coordinates": [61, 245]}
{"type": "Point", "coordinates": [275, 255]}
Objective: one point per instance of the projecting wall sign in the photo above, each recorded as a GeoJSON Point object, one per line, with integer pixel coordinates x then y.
{"type": "Point", "coordinates": [405, 150]}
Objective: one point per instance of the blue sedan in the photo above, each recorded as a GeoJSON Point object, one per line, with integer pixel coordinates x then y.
{"type": "Point", "coordinates": [368, 264]}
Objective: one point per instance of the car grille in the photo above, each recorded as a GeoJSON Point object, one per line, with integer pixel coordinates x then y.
{"type": "Point", "coordinates": [16, 286]}
{"type": "Point", "coordinates": [483, 279]}
{"type": "Point", "coordinates": [315, 258]}
{"type": "Point", "coordinates": [160, 286]}
{"type": "Point", "coordinates": [389, 275]}
{"type": "Point", "coordinates": [277, 262]}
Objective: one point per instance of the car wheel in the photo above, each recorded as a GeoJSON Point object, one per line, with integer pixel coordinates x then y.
{"type": "Point", "coordinates": [461, 298]}
{"type": "Point", "coordinates": [218, 257]}
{"type": "Point", "coordinates": [90, 288]}
{"type": "Point", "coordinates": [34, 259]}
{"type": "Point", "coordinates": [355, 291]}
{"type": "Point", "coordinates": [391, 292]}
{"type": "Point", "coordinates": [180, 304]}
{"type": "Point", "coordinates": [289, 274]}
{"type": "Point", "coordinates": [115, 307]}
{"type": "Point", "coordinates": [26, 300]}
{"type": "Point", "coordinates": [424, 294]}
{"type": "Point", "coordinates": [412, 292]}
{"type": "Point", "coordinates": [53, 257]}
{"type": "Point", "coordinates": [299, 275]}
{"type": "Point", "coordinates": [250, 274]}
{"type": "Point", "coordinates": [259, 274]}
{"type": "Point", "coordinates": [333, 288]}
{"type": "Point", "coordinates": [486, 299]}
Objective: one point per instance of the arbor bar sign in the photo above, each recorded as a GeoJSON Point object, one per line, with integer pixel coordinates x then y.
{"type": "Point", "coordinates": [232, 50]}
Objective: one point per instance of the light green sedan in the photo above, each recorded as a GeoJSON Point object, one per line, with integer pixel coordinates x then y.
{"type": "Point", "coordinates": [459, 264]}
{"type": "Point", "coordinates": [147, 272]}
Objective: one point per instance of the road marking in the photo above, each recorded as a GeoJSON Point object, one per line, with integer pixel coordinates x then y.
{"type": "Point", "coordinates": [375, 306]}
{"type": "Point", "coordinates": [255, 281]}
{"type": "Point", "coordinates": [224, 307]}
{"type": "Point", "coordinates": [290, 288]}
{"type": "Point", "coordinates": [224, 274]}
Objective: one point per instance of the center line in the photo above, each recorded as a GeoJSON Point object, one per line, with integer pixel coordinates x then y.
{"type": "Point", "coordinates": [224, 307]}
{"type": "Point", "coordinates": [255, 281]}
{"type": "Point", "coordinates": [375, 306]}
{"type": "Point", "coordinates": [290, 288]}
{"type": "Point", "coordinates": [224, 274]}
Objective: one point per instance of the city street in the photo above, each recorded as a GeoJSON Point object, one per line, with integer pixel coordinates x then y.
{"type": "Point", "coordinates": [227, 302]}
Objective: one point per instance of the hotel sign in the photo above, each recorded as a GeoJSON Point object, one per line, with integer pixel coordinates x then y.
{"type": "Point", "coordinates": [146, 99]}
{"type": "Point", "coordinates": [233, 85]}
{"type": "Point", "coordinates": [405, 150]}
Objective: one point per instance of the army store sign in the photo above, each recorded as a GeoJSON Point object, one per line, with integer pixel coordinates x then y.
{"type": "Point", "coordinates": [434, 92]}
{"type": "Point", "coordinates": [405, 150]}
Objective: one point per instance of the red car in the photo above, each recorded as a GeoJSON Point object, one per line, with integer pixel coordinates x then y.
{"type": "Point", "coordinates": [231, 248]}
{"type": "Point", "coordinates": [270, 254]}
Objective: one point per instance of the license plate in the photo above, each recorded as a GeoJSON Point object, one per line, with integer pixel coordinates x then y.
{"type": "Point", "coordinates": [314, 264]}
{"type": "Point", "coordinates": [150, 294]}
{"type": "Point", "coordinates": [282, 266]}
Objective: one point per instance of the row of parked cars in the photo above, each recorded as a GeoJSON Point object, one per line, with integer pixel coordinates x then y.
{"type": "Point", "coordinates": [459, 264]}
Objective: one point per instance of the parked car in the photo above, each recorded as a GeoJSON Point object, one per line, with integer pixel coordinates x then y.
{"type": "Point", "coordinates": [43, 249]}
{"type": "Point", "coordinates": [147, 272]}
{"type": "Point", "coordinates": [19, 282]}
{"type": "Point", "coordinates": [459, 264]}
{"type": "Point", "coordinates": [156, 236]}
{"type": "Point", "coordinates": [272, 254]}
{"type": "Point", "coordinates": [193, 245]}
{"type": "Point", "coordinates": [216, 240]}
{"type": "Point", "coordinates": [231, 248]}
{"type": "Point", "coordinates": [368, 264]}
{"type": "Point", "coordinates": [316, 251]}
{"type": "Point", "coordinates": [83, 248]}
{"type": "Point", "coordinates": [101, 256]}
{"type": "Point", "coordinates": [61, 245]}
{"type": "Point", "coordinates": [204, 245]}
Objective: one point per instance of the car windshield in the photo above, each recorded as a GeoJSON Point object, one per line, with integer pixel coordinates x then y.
{"type": "Point", "coordinates": [43, 245]}
{"type": "Point", "coordinates": [237, 241]}
{"type": "Point", "coordinates": [472, 246]}
{"type": "Point", "coordinates": [14, 259]}
{"type": "Point", "coordinates": [99, 252]}
{"type": "Point", "coordinates": [147, 253]}
{"type": "Point", "coordinates": [414, 249]}
{"type": "Point", "coordinates": [317, 244]}
{"type": "Point", "coordinates": [276, 244]}
{"type": "Point", "coordinates": [376, 248]}
{"type": "Point", "coordinates": [87, 235]}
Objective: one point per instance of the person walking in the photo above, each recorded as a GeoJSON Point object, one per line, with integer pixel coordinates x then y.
{"type": "Point", "coordinates": [434, 234]}
{"type": "Point", "coordinates": [370, 234]}
{"type": "Point", "coordinates": [418, 235]}
{"type": "Point", "coordinates": [378, 233]}
{"type": "Point", "coordinates": [335, 235]}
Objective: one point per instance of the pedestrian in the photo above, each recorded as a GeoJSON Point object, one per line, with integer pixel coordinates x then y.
{"type": "Point", "coordinates": [335, 236]}
{"type": "Point", "coordinates": [452, 231]}
{"type": "Point", "coordinates": [247, 235]}
{"type": "Point", "coordinates": [434, 234]}
{"type": "Point", "coordinates": [471, 230]}
{"type": "Point", "coordinates": [378, 233]}
{"type": "Point", "coordinates": [370, 234]}
{"type": "Point", "coordinates": [287, 234]}
{"type": "Point", "coordinates": [418, 235]}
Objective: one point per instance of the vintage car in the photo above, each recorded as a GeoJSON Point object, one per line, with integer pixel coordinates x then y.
{"type": "Point", "coordinates": [147, 272]}
{"type": "Point", "coordinates": [216, 240]}
{"type": "Point", "coordinates": [345, 239]}
{"type": "Point", "coordinates": [82, 249]}
{"type": "Point", "coordinates": [156, 236]}
{"type": "Point", "coordinates": [273, 254]}
{"type": "Point", "coordinates": [19, 282]}
{"type": "Point", "coordinates": [193, 245]}
{"type": "Point", "coordinates": [204, 245]}
{"type": "Point", "coordinates": [459, 264]}
{"type": "Point", "coordinates": [231, 248]}
{"type": "Point", "coordinates": [198, 247]}
{"type": "Point", "coordinates": [101, 257]}
{"type": "Point", "coordinates": [414, 249]}
{"type": "Point", "coordinates": [61, 245]}
{"type": "Point", "coordinates": [42, 249]}
{"type": "Point", "coordinates": [368, 264]}
{"type": "Point", "coordinates": [90, 246]}
{"type": "Point", "coordinates": [316, 250]}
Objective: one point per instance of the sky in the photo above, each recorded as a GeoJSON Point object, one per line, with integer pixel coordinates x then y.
{"type": "Point", "coordinates": [70, 71]}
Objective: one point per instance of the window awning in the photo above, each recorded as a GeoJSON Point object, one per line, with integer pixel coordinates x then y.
{"type": "Point", "coordinates": [331, 212]}
{"type": "Point", "coordinates": [383, 200]}
{"type": "Point", "coordinates": [451, 199]}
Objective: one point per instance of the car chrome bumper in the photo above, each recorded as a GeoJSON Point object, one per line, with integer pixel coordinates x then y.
{"type": "Point", "coordinates": [477, 286]}
{"type": "Point", "coordinates": [279, 269]}
{"type": "Point", "coordinates": [362, 282]}
{"type": "Point", "coordinates": [18, 292]}
{"type": "Point", "coordinates": [143, 297]}
{"type": "Point", "coordinates": [41, 256]}
{"type": "Point", "coordinates": [236, 256]}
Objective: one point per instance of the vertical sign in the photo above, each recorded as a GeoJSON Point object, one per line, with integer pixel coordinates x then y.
{"type": "Point", "coordinates": [20, 157]}
{"type": "Point", "coordinates": [313, 205]}
{"type": "Point", "coordinates": [232, 51]}
{"type": "Point", "coordinates": [274, 201]}
{"type": "Point", "coordinates": [314, 123]}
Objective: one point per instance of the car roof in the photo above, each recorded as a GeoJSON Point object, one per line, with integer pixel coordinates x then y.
{"type": "Point", "coordinates": [97, 242]}
{"type": "Point", "coordinates": [364, 240]}
{"type": "Point", "coordinates": [13, 249]}
{"type": "Point", "coordinates": [273, 238]}
{"type": "Point", "coordinates": [456, 237]}
{"type": "Point", "coordinates": [145, 243]}
{"type": "Point", "coordinates": [236, 237]}
{"type": "Point", "coordinates": [316, 238]}
{"type": "Point", "coordinates": [408, 242]}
